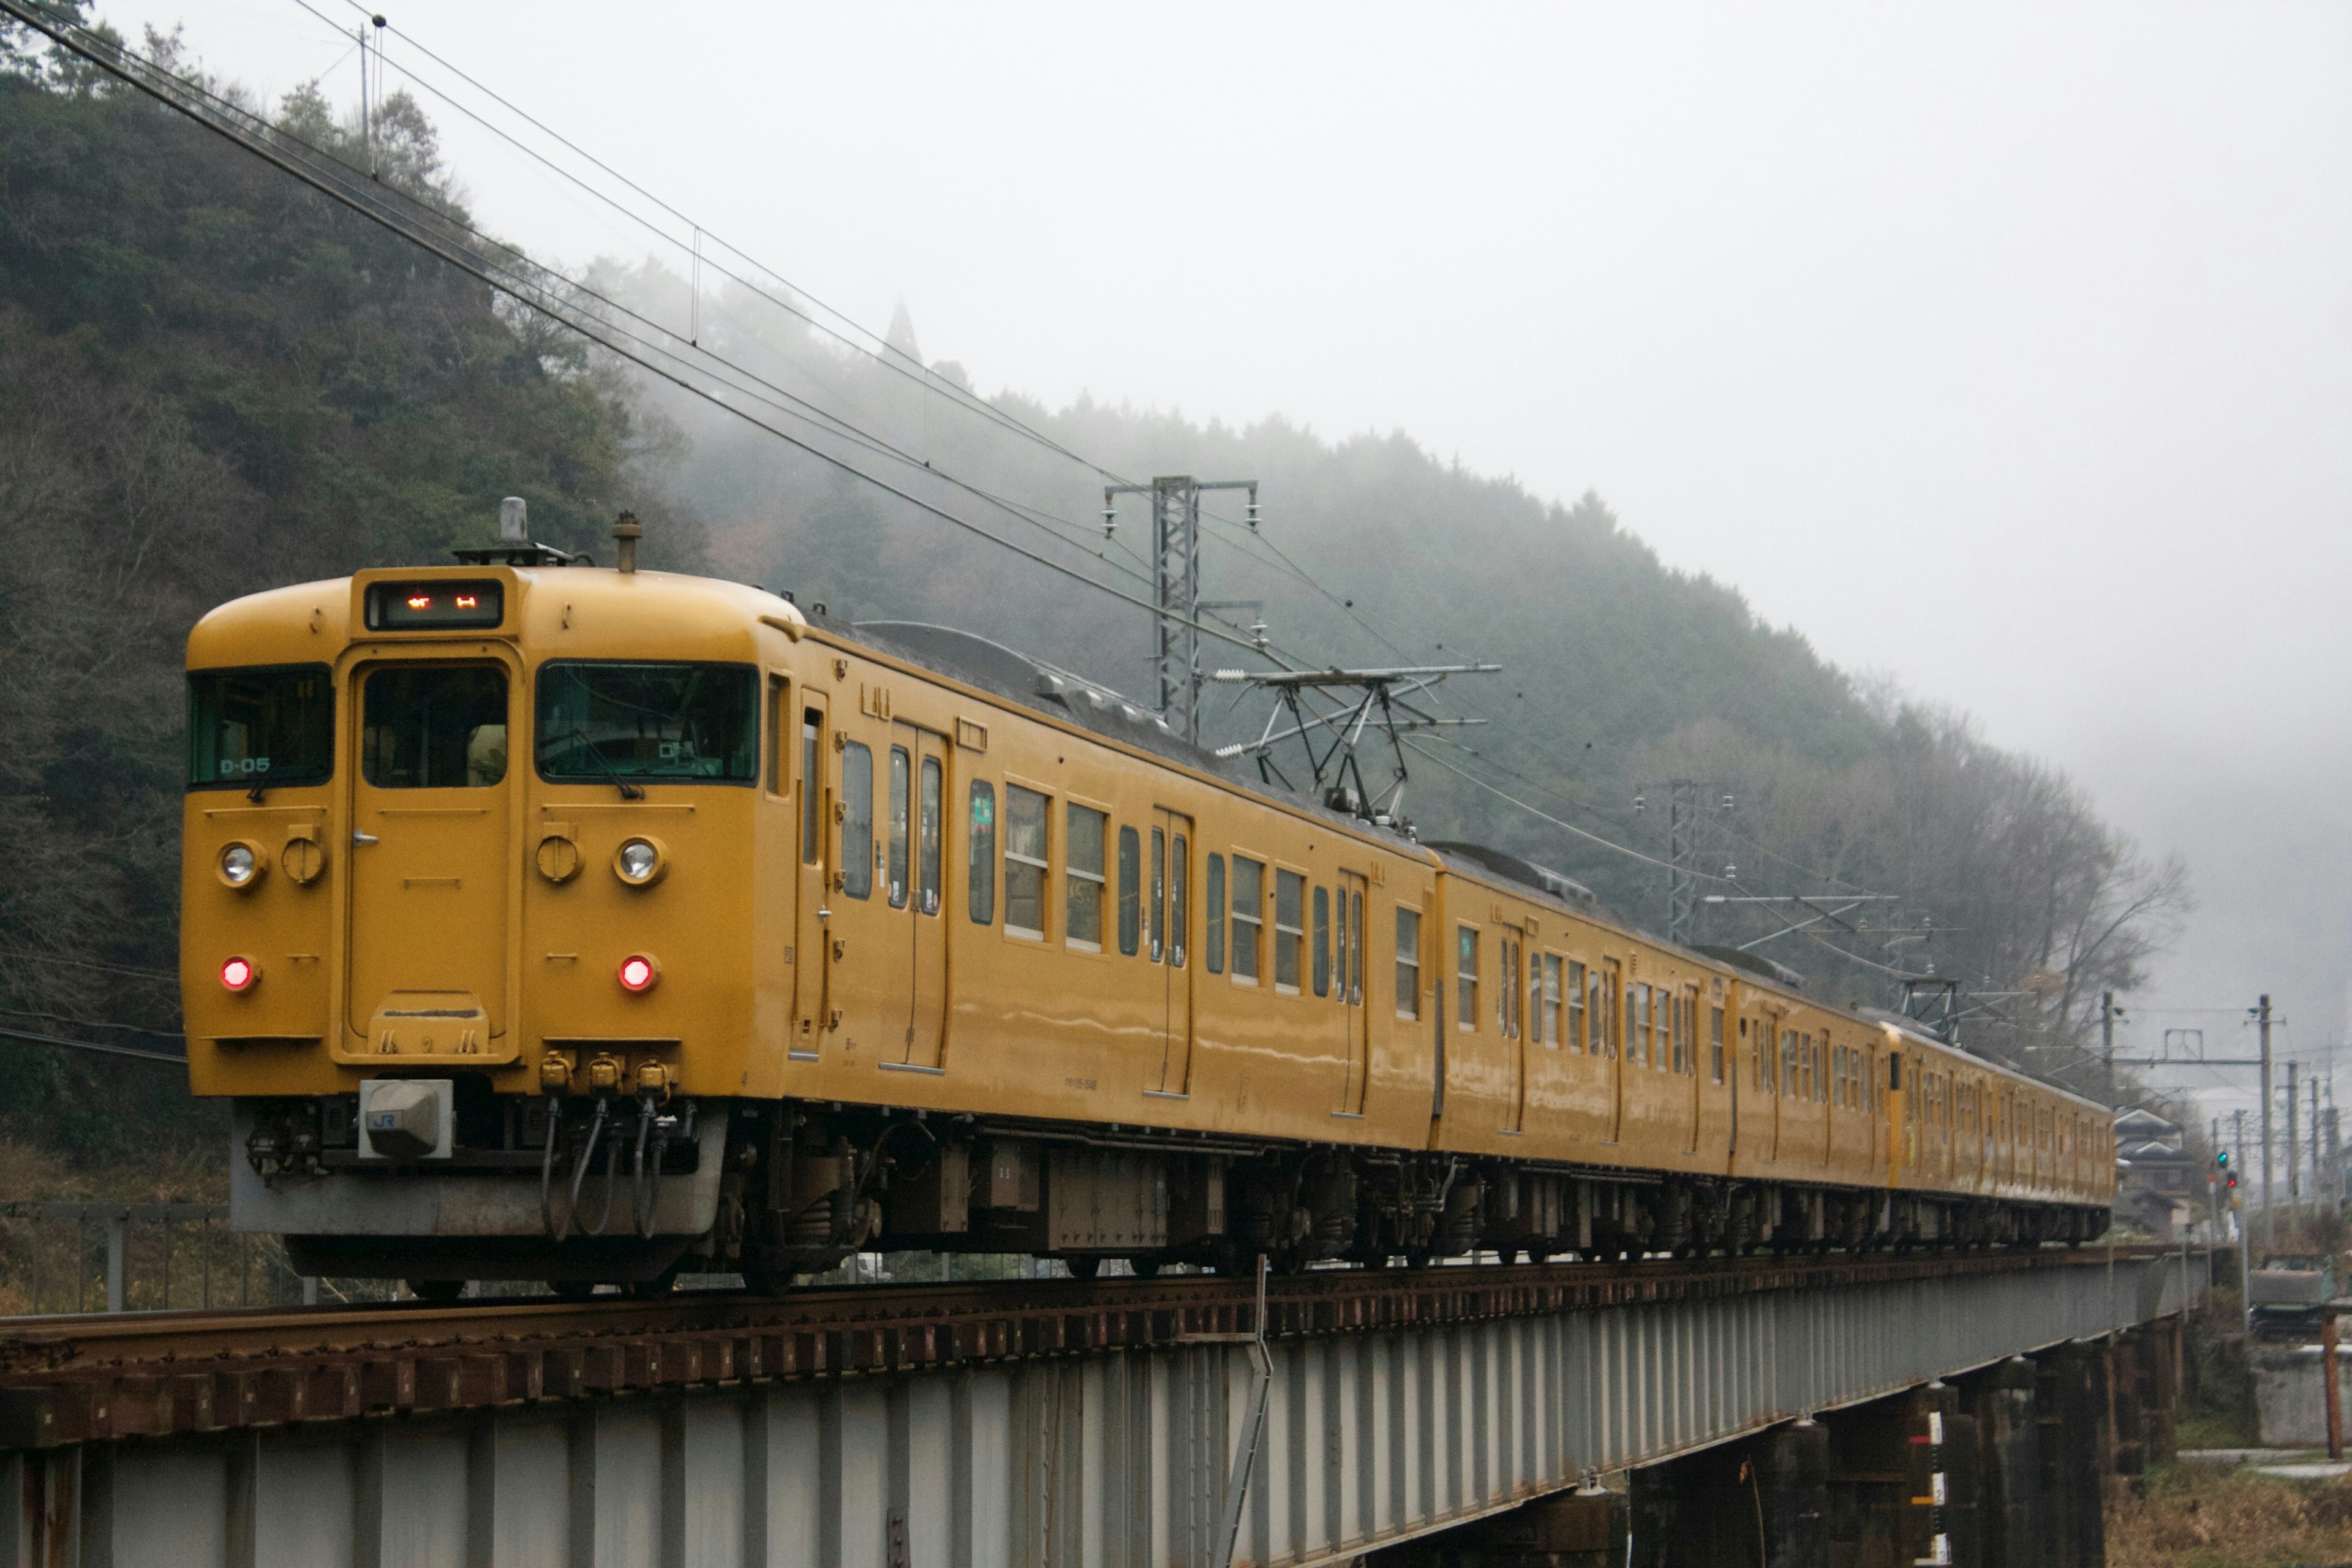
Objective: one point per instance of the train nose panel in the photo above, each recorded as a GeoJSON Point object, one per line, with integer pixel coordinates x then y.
{"type": "Point", "coordinates": [436, 1023]}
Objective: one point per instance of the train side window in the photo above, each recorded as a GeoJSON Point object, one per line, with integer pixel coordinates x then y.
{"type": "Point", "coordinates": [1507, 1000]}
{"type": "Point", "coordinates": [982, 874]}
{"type": "Point", "coordinates": [927, 838]}
{"type": "Point", "coordinates": [1130, 892]}
{"type": "Point", "coordinates": [811, 784]}
{"type": "Point", "coordinates": [1465, 978]}
{"type": "Point", "coordinates": [1579, 1017]}
{"type": "Point", "coordinates": [1289, 929]}
{"type": "Point", "coordinates": [1605, 1004]}
{"type": "Point", "coordinates": [1408, 964]}
{"type": "Point", "coordinates": [779, 738]}
{"type": "Point", "coordinates": [1082, 860]}
{"type": "Point", "coordinates": [1159, 906]}
{"type": "Point", "coordinates": [856, 820]}
{"type": "Point", "coordinates": [1551, 1019]}
{"type": "Point", "coordinates": [1180, 907]}
{"type": "Point", "coordinates": [902, 824]}
{"type": "Point", "coordinates": [1217, 907]}
{"type": "Point", "coordinates": [1249, 916]}
{"type": "Point", "coordinates": [1714, 1043]}
{"type": "Point", "coordinates": [1323, 941]}
{"type": "Point", "coordinates": [1024, 860]}
{"type": "Point", "coordinates": [1640, 1051]}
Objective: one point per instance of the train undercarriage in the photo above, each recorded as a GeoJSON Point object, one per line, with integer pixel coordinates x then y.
{"type": "Point", "coordinates": [632, 1195]}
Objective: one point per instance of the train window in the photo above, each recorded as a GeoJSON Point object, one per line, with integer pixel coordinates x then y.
{"type": "Point", "coordinates": [1130, 891]}
{"type": "Point", "coordinates": [1837, 1075]}
{"type": "Point", "coordinates": [779, 738]}
{"type": "Point", "coordinates": [1465, 977]}
{"type": "Point", "coordinates": [1216, 914]}
{"type": "Point", "coordinates": [1249, 915]}
{"type": "Point", "coordinates": [1607, 997]}
{"type": "Point", "coordinates": [1289, 927]}
{"type": "Point", "coordinates": [433, 727]}
{"type": "Point", "coordinates": [1506, 991]}
{"type": "Point", "coordinates": [1179, 902]}
{"type": "Point", "coordinates": [1352, 953]}
{"type": "Point", "coordinates": [1714, 1043]}
{"type": "Point", "coordinates": [981, 875]}
{"type": "Point", "coordinates": [856, 820]}
{"type": "Point", "coordinates": [1024, 860]}
{"type": "Point", "coordinates": [901, 826]}
{"type": "Point", "coordinates": [1408, 964]}
{"type": "Point", "coordinates": [812, 727]}
{"type": "Point", "coordinates": [1640, 1051]}
{"type": "Point", "coordinates": [1682, 1034]}
{"type": "Point", "coordinates": [1323, 942]}
{"type": "Point", "coordinates": [1082, 858]}
{"type": "Point", "coordinates": [1159, 906]}
{"type": "Point", "coordinates": [262, 726]}
{"type": "Point", "coordinates": [927, 840]}
{"type": "Point", "coordinates": [1552, 1019]}
{"type": "Point", "coordinates": [608, 721]}
{"type": "Point", "coordinates": [1787, 1062]}
{"type": "Point", "coordinates": [1579, 1017]}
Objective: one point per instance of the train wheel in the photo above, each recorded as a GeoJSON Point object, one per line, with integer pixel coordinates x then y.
{"type": "Point", "coordinates": [572, 1289]}
{"type": "Point", "coordinates": [760, 1283]}
{"type": "Point", "coordinates": [655, 1289]}
{"type": "Point", "coordinates": [1083, 1268]}
{"type": "Point", "coordinates": [1144, 1267]}
{"type": "Point", "coordinates": [437, 1290]}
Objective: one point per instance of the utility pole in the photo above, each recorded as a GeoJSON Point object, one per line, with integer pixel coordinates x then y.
{"type": "Point", "coordinates": [1683, 809]}
{"type": "Point", "coordinates": [2318, 1192]}
{"type": "Point", "coordinates": [2107, 1040]}
{"type": "Point", "coordinates": [2263, 1013]}
{"type": "Point", "coordinates": [1176, 566]}
{"type": "Point", "coordinates": [2294, 1151]}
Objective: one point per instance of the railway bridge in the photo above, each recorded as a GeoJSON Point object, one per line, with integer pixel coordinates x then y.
{"type": "Point", "coordinates": [1178, 1421]}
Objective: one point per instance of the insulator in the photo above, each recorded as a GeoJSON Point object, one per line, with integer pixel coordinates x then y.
{"type": "Point", "coordinates": [1637, 803]}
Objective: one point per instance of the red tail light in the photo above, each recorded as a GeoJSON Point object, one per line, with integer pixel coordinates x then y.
{"type": "Point", "coordinates": [239, 974]}
{"type": "Point", "coordinates": [638, 973]}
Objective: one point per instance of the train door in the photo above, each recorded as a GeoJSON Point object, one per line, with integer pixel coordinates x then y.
{"type": "Point", "coordinates": [1611, 1020]}
{"type": "Point", "coordinates": [1347, 989]}
{"type": "Point", "coordinates": [918, 797]}
{"type": "Point", "coordinates": [431, 857]}
{"type": "Point", "coordinates": [813, 1004]}
{"type": "Point", "coordinates": [1169, 919]}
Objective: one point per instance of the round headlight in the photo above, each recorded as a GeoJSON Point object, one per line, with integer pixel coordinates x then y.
{"type": "Point", "coordinates": [640, 862]}
{"type": "Point", "coordinates": [240, 863]}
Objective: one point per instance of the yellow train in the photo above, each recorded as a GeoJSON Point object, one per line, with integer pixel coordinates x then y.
{"type": "Point", "coordinates": [554, 922]}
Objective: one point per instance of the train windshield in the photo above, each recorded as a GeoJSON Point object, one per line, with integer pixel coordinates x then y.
{"type": "Point", "coordinates": [613, 721]}
{"type": "Point", "coordinates": [269, 726]}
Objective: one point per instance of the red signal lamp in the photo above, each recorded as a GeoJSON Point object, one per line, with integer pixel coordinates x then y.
{"type": "Point", "coordinates": [239, 975]}
{"type": "Point", "coordinates": [639, 974]}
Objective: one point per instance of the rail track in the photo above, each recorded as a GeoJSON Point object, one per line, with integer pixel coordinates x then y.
{"type": "Point", "coordinates": [72, 1379]}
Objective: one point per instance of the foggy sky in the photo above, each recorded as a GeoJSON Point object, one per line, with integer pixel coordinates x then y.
{"type": "Point", "coordinates": [2005, 349]}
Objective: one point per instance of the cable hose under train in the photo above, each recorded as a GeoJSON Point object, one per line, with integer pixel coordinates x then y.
{"type": "Point", "coordinates": [547, 1175]}
{"type": "Point", "coordinates": [580, 1172]}
{"type": "Point", "coordinates": [641, 1212]}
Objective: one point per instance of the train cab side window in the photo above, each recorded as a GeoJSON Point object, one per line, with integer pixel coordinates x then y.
{"type": "Point", "coordinates": [1465, 977]}
{"type": "Point", "coordinates": [1639, 1052]}
{"type": "Point", "coordinates": [1408, 964]}
{"type": "Point", "coordinates": [1216, 904]}
{"type": "Point", "coordinates": [1081, 855]}
{"type": "Point", "coordinates": [1715, 1043]}
{"type": "Point", "coordinates": [1249, 916]}
{"type": "Point", "coordinates": [982, 874]}
{"type": "Point", "coordinates": [1579, 1017]}
{"type": "Point", "coordinates": [1323, 941]}
{"type": "Point", "coordinates": [927, 840]}
{"type": "Point", "coordinates": [1289, 929]}
{"type": "Point", "coordinates": [902, 824]}
{"type": "Point", "coordinates": [811, 784]}
{"type": "Point", "coordinates": [1352, 950]}
{"type": "Point", "coordinates": [779, 738]}
{"type": "Point", "coordinates": [1024, 860]}
{"type": "Point", "coordinates": [1506, 991]}
{"type": "Point", "coordinates": [1180, 902]}
{"type": "Point", "coordinates": [856, 820]}
{"type": "Point", "coordinates": [1550, 1018]}
{"type": "Point", "coordinates": [1605, 1006]}
{"type": "Point", "coordinates": [1159, 905]}
{"type": "Point", "coordinates": [1130, 893]}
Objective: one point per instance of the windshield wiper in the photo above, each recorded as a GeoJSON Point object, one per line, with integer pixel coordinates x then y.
{"type": "Point", "coordinates": [628, 791]}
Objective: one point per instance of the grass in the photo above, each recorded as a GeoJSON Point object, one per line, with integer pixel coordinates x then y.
{"type": "Point", "coordinates": [2215, 1516]}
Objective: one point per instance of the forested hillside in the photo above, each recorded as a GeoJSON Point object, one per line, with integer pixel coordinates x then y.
{"type": "Point", "coordinates": [211, 380]}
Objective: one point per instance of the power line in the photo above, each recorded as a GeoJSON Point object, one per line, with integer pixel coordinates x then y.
{"type": "Point", "coordinates": [99, 1047]}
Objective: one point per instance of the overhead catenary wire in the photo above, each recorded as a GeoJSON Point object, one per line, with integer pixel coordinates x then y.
{"type": "Point", "coordinates": [102, 1047]}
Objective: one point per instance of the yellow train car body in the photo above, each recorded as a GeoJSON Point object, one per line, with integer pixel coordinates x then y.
{"type": "Point", "coordinates": [882, 936]}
